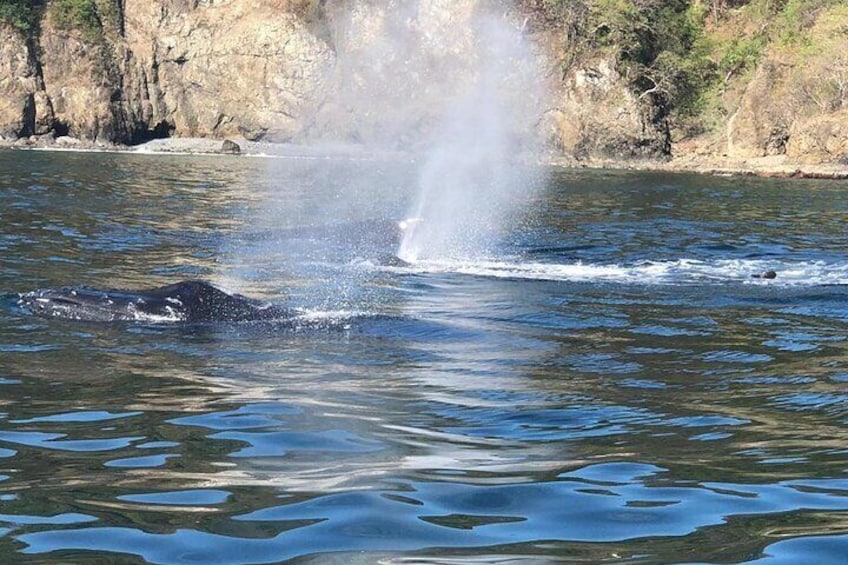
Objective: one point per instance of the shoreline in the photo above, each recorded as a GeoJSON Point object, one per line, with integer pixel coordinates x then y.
{"type": "Point", "coordinates": [761, 167]}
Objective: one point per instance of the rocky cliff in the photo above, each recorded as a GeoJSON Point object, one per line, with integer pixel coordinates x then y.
{"type": "Point", "coordinates": [354, 71]}
{"type": "Point", "coordinates": [368, 71]}
{"type": "Point", "coordinates": [159, 68]}
{"type": "Point", "coordinates": [790, 102]}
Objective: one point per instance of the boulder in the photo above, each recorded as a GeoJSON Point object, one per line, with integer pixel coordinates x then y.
{"type": "Point", "coordinates": [230, 147]}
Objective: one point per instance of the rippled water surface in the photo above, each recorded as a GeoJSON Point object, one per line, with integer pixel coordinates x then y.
{"type": "Point", "coordinates": [611, 385]}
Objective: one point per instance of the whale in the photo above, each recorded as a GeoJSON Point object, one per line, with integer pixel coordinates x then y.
{"type": "Point", "coordinates": [188, 302]}
{"type": "Point", "coordinates": [200, 301]}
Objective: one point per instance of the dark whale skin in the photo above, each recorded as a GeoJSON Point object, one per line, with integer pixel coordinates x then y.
{"type": "Point", "coordinates": [192, 301]}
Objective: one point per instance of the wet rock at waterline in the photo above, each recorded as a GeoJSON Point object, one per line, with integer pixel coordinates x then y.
{"type": "Point", "coordinates": [230, 147]}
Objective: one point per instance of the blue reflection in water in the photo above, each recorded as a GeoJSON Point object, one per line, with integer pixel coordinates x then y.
{"type": "Point", "coordinates": [184, 497]}
{"type": "Point", "coordinates": [600, 503]}
{"type": "Point", "coordinates": [53, 441]}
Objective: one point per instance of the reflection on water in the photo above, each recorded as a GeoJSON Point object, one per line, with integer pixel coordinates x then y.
{"type": "Point", "coordinates": [443, 412]}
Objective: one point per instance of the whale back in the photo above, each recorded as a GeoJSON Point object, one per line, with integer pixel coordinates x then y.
{"type": "Point", "coordinates": [192, 301]}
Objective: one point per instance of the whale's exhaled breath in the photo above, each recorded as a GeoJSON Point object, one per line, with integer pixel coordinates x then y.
{"type": "Point", "coordinates": [472, 183]}
{"type": "Point", "coordinates": [455, 85]}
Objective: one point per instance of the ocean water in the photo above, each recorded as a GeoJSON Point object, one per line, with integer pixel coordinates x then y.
{"type": "Point", "coordinates": [611, 384]}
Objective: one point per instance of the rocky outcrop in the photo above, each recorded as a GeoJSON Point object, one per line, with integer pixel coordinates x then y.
{"type": "Point", "coordinates": [791, 111]}
{"type": "Point", "coordinates": [351, 71]}
{"type": "Point", "coordinates": [225, 68]}
{"type": "Point", "coordinates": [822, 139]}
{"type": "Point", "coordinates": [230, 147]}
{"type": "Point", "coordinates": [792, 107]}
{"type": "Point", "coordinates": [82, 85]}
{"type": "Point", "coordinates": [598, 115]}
{"type": "Point", "coordinates": [25, 109]}
{"type": "Point", "coordinates": [229, 68]}
{"type": "Point", "coordinates": [354, 71]}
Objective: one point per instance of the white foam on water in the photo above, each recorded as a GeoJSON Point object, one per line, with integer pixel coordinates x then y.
{"type": "Point", "coordinates": [671, 272]}
{"type": "Point", "coordinates": [328, 315]}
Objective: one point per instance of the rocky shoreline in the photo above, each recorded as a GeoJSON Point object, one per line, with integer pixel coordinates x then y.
{"type": "Point", "coordinates": [276, 71]}
{"type": "Point", "coordinates": [766, 167]}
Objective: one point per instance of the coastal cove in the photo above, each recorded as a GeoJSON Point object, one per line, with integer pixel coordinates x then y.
{"type": "Point", "coordinates": [742, 86]}
{"type": "Point", "coordinates": [607, 382]}
{"type": "Point", "coordinates": [767, 167]}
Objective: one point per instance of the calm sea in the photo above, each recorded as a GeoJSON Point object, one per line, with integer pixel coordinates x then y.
{"type": "Point", "coordinates": [609, 384]}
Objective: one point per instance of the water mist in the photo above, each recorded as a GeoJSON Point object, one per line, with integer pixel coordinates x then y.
{"type": "Point", "coordinates": [456, 84]}
{"type": "Point", "coordinates": [430, 113]}
{"type": "Point", "coordinates": [474, 179]}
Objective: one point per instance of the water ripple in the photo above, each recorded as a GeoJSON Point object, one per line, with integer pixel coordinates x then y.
{"type": "Point", "coordinates": [609, 383]}
{"type": "Point", "coordinates": [600, 503]}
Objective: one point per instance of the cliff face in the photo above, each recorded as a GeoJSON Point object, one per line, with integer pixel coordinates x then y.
{"type": "Point", "coordinates": [365, 71]}
{"type": "Point", "coordinates": [18, 84]}
{"type": "Point", "coordinates": [220, 68]}
{"type": "Point", "coordinates": [598, 115]}
{"type": "Point", "coordinates": [791, 105]}
{"type": "Point", "coordinates": [795, 102]}
{"type": "Point", "coordinates": [178, 67]}
{"type": "Point", "coordinates": [350, 71]}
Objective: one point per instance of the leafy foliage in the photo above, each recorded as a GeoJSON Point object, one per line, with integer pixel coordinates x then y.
{"type": "Point", "coordinates": [84, 15]}
{"type": "Point", "coordinates": [680, 54]}
{"type": "Point", "coordinates": [659, 45]}
{"type": "Point", "coordinates": [21, 14]}
{"type": "Point", "coordinates": [78, 14]}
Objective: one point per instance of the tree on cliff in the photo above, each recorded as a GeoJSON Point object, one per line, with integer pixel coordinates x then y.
{"type": "Point", "coordinates": [657, 43]}
{"type": "Point", "coordinates": [21, 14]}
{"type": "Point", "coordinates": [84, 15]}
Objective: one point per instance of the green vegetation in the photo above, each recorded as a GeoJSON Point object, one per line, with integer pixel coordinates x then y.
{"type": "Point", "coordinates": [740, 54]}
{"type": "Point", "coordinates": [95, 19]}
{"type": "Point", "coordinates": [681, 54]}
{"type": "Point", "coordinates": [21, 14]}
{"type": "Point", "coordinates": [76, 14]}
{"type": "Point", "coordinates": [758, 25]}
{"type": "Point", "coordinates": [659, 45]}
{"type": "Point", "coordinates": [87, 16]}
